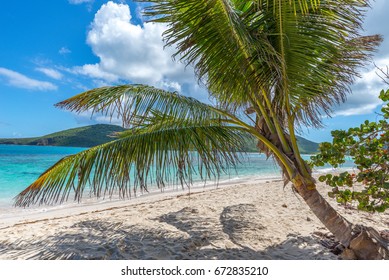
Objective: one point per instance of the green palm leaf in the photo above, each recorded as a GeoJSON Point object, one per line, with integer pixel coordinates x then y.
{"type": "Point", "coordinates": [213, 36]}
{"type": "Point", "coordinates": [165, 149]}
{"type": "Point", "coordinates": [301, 55]}
{"type": "Point", "coordinates": [134, 103]}
{"type": "Point", "coordinates": [286, 61]}
{"type": "Point", "coordinates": [321, 51]}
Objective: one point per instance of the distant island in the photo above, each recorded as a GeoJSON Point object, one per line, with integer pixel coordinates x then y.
{"type": "Point", "coordinates": [89, 136]}
{"type": "Point", "coordinates": [305, 146]}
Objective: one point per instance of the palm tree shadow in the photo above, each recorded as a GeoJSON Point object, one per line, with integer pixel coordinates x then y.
{"type": "Point", "coordinates": [93, 239]}
{"type": "Point", "coordinates": [237, 220]}
{"type": "Point", "coordinates": [200, 238]}
{"type": "Point", "coordinates": [240, 222]}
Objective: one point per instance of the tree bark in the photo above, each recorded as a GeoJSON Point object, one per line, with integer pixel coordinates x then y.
{"type": "Point", "coordinates": [360, 242]}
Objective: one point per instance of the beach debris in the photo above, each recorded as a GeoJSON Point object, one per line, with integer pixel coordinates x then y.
{"type": "Point", "coordinates": [385, 234]}
{"type": "Point", "coordinates": [328, 241]}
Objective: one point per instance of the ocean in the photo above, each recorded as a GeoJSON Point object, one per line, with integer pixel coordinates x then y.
{"type": "Point", "coordinates": [21, 165]}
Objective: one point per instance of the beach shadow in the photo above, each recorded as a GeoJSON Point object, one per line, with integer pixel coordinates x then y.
{"type": "Point", "coordinates": [242, 223]}
{"type": "Point", "coordinates": [198, 238]}
{"type": "Point", "coordinates": [94, 239]}
{"type": "Point", "coordinates": [239, 221]}
{"type": "Point", "coordinates": [297, 247]}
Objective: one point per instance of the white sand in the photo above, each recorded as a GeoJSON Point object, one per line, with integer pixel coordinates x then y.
{"type": "Point", "coordinates": [249, 220]}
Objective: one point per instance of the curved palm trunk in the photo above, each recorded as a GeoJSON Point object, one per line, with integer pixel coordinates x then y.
{"type": "Point", "coordinates": [360, 242]}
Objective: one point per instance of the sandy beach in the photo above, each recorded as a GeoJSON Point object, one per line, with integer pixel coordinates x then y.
{"type": "Point", "coordinates": [251, 219]}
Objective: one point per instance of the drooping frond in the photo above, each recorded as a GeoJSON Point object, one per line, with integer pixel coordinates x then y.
{"type": "Point", "coordinates": [177, 138]}
{"type": "Point", "coordinates": [134, 103]}
{"type": "Point", "coordinates": [173, 154]}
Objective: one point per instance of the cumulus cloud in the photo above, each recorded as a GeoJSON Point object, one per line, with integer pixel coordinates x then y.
{"type": "Point", "coordinates": [132, 52]}
{"type": "Point", "coordinates": [52, 73]}
{"type": "Point", "coordinates": [95, 71]}
{"type": "Point", "coordinates": [364, 98]}
{"type": "Point", "coordinates": [21, 81]}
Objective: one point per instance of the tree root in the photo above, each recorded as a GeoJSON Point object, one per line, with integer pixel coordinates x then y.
{"type": "Point", "coordinates": [366, 244]}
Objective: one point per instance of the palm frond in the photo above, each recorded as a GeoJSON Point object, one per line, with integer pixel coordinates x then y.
{"type": "Point", "coordinates": [160, 156]}
{"type": "Point", "coordinates": [134, 103]}
{"type": "Point", "coordinates": [323, 51]}
{"type": "Point", "coordinates": [302, 54]}
{"type": "Point", "coordinates": [287, 60]}
{"type": "Point", "coordinates": [214, 37]}
{"type": "Point", "coordinates": [171, 138]}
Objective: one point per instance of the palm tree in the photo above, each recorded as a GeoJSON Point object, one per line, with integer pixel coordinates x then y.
{"type": "Point", "coordinates": [271, 66]}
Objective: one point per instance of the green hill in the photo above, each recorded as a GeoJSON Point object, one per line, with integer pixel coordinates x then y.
{"type": "Point", "coordinates": [89, 136]}
{"type": "Point", "coordinates": [86, 136]}
{"type": "Point", "coordinates": [305, 146]}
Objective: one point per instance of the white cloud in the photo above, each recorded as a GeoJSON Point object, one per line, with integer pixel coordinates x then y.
{"type": "Point", "coordinates": [361, 110]}
{"type": "Point", "coordinates": [171, 86]}
{"type": "Point", "coordinates": [364, 98]}
{"type": "Point", "coordinates": [94, 71]}
{"type": "Point", "coordinates": [77, 2]}
{"type": "Point", "coordinates": [52, 73]}
{"type": "Point", "coordinates": [87, 117]}
{"type": "Point", "coordinates": [64, 50]}
{"type": "Point", "coordinates": [132, 52]}
{"type": "Point", "coordinates": [21, 81]}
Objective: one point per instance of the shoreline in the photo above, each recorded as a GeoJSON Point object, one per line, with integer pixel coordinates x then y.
{"type": "Point", "coordinates": [5, 203]}
{"type": "Point", "coordinates": [248, 219]}
{"type": "Point", "coordinates": [10, 214]}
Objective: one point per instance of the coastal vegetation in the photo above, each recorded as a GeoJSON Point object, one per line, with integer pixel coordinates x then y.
{"type": "Point", "coordinates": [271, 68]}
{"type": "Point", "coordinates": [368, 146]}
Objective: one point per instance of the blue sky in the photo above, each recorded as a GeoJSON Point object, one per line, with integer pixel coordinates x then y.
{"type": "Point", "coordinates": [52, 50]}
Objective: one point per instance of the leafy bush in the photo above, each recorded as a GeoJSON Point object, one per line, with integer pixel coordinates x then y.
{"type": "Point", "coordinates": [368, 146]}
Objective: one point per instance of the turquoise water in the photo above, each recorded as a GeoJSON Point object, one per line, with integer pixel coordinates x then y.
{"type": "Point", "coordinates": [21, 165]}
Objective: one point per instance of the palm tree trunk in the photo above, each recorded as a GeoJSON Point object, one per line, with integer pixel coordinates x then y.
{"type": "Point", "coordinates": [360, 242]}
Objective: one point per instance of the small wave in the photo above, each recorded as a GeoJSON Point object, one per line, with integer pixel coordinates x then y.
{"type": "Point", "coordinates": [332, 170]}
